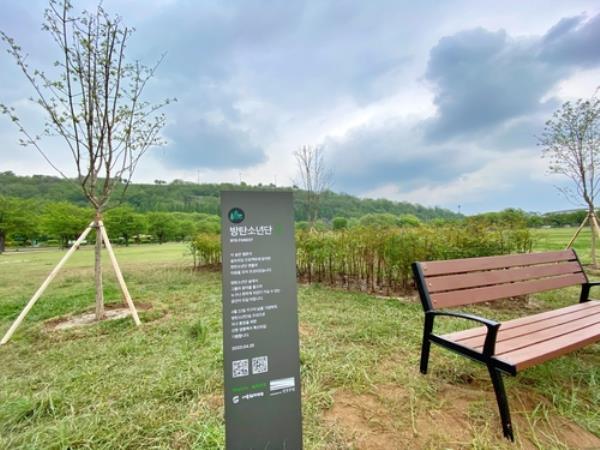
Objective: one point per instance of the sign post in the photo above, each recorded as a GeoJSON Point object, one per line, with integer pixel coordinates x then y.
{"type": "Point", "coordinates": [260, 322]}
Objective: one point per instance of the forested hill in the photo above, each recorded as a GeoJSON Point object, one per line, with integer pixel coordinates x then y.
{"type": "Point", "coordinates": [191, 197]}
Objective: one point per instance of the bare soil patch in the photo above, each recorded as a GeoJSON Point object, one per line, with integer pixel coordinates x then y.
{"type": "Point", "coordinates": [305, 330]}
{"type": "Point", "coordinates": [111, 312]}
{"type": "Point", "coordinates": [389, 418]}
{"type": "Point", "coordinates": [215, 402]}
{"type": "Point", "coordinates": [363, 420]}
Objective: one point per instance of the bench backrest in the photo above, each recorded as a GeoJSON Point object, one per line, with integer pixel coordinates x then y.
{"type": "Point", "coordinates": [456, 282]}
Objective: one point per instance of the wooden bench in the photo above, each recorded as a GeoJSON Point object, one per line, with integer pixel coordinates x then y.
{"type": "Point", "coordinates": [517, 344]}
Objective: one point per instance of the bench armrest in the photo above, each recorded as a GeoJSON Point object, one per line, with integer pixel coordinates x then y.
{"type": "Point", "coordinates": [492, 326]}
{"type": "Point", "coordinates": [585, 290]}
{"type": "Point", "coordinates": [482, 320]}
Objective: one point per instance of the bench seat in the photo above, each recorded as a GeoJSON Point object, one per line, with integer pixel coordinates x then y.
{"type": "Point", "coordinates": [528, 341]}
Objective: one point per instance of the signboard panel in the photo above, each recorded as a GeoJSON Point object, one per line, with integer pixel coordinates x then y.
{"type": "Point", "coordinates": [260, 322]}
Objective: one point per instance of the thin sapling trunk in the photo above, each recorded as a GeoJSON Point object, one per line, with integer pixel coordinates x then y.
{"type": "Point", "coordinates": [98, 269]}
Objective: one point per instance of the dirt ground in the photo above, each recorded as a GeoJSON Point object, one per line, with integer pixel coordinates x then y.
{"type": "Point", "coordinates": [387, 418]}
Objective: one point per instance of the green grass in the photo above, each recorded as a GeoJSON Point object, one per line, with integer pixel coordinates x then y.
{"type": "Point", "coordinates": [557, 239]}
{"type": "Point", "coordinates": [112, 385]}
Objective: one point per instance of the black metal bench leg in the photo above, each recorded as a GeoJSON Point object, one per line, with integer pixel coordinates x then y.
{"type": "Point", "coordinates": [496, 376]}
{"type": "Point", "coordinates": [427, 329]}
{"type": "Point", "coordinates": [425, 354]}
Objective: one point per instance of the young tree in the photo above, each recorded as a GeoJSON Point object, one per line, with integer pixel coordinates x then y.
{"type": "Point", "coordinates": [208, 224]}
{"type": "Point", "coordinates": [186, 229]}
{"type": "Point", "coordinates": [16, 216]}
{"type": "Point", "coordinates": [124, 222]}
{"type": "Point", "coordinates": [64, 221]}
{"type": "Point", "coordinates": [571, 142]}
{"type": "Point", "coordinates": [95, 103]}
{"type": "Point", "coordinates": [314, 177]}
{"type": "Point", "coordinates": [162, 225]}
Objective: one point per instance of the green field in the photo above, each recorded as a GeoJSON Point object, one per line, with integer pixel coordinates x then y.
{"type": "Point", "coordinates": [558, 238]}
{"type": "Point", "coordinates": [111, 385]}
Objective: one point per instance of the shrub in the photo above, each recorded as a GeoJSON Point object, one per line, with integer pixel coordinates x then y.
{"type": "Point", "coordinates": [408, 220]}
{"type": "Point", "coordinates": [302, 226]}
{"type": "Point", "coordinates": [339, 223]}
{"type": "Point", "coordinates": [206, 249]}
{"type": "Point", "coordinates": [380, 257]}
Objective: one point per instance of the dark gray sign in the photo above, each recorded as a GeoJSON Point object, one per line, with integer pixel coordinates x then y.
{"type": "Point", "coordinates": [260, 322]}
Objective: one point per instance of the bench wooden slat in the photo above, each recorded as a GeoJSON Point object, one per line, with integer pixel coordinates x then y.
{"type": "Point", "coordinates": [432, 268]}
{"type": "Point", "coordinates": [480, 279]}
{"type": "Point", "coordinates": [477, 295]}
{"type": "Point", "coordinates": [472, 336]}
{"type": "Point", "coordinates": [543, 351]}
{"type": "Point", "coordinates": [546, 334]}
{"type": "Point", "coordinates": [526, 330]}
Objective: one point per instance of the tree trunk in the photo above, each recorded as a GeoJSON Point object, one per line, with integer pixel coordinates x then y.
{"type": "Point", "coordinates": [2, 241]}
{"type": "Point", "coordinates": [98, 270]}
{"type": "Point", "coordinates": [591, 221]}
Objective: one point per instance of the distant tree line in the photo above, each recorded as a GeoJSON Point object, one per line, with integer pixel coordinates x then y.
{"type": "Point", "coordinates": [520, 218]}
{"type": "Point", "coordinates": [30, 214]}
{"type": "Point", "coordinates": [182, 196]}
{"type": "Point", "coordinates": [185, 196]}
{"type": "Point", "coordinates": [31, 222]}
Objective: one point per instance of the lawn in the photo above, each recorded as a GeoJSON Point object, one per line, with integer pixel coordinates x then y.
{"type": "Point", "coordinates": [111, 385]}
{"type": "Point", "coordinates": [558, 238]}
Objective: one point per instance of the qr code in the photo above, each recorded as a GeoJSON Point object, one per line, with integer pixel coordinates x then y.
{"type": "Point", "coordinates": [260, 364]}
{"type": "Point", "coordinates": [240, 368]}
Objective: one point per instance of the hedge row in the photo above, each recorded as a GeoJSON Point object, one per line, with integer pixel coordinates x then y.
{"type": "Point", "coordinates": [379, 259]}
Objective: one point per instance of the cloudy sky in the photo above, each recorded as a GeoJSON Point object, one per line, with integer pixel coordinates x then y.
{"type": "Point", "coordinates": [431, 102]}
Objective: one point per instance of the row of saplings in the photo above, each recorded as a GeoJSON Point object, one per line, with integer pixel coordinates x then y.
{"type": "Point", "coordinates": [379, 259]}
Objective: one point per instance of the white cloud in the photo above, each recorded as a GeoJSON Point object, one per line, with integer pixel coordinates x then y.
{"type": "Point", "coordinates": [500, 174]}
{"type": "Point", "coordinates": [582, 84]}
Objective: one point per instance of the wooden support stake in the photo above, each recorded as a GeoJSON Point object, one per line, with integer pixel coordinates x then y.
{"type": "Point", "coordinates": [596, 225]}
{"type": "Point", "coordinates": [44, 285]}
{"type": "Point", "coordinates": [119, 275]}
{"type": "Point", "coordinates": [583, 224]}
